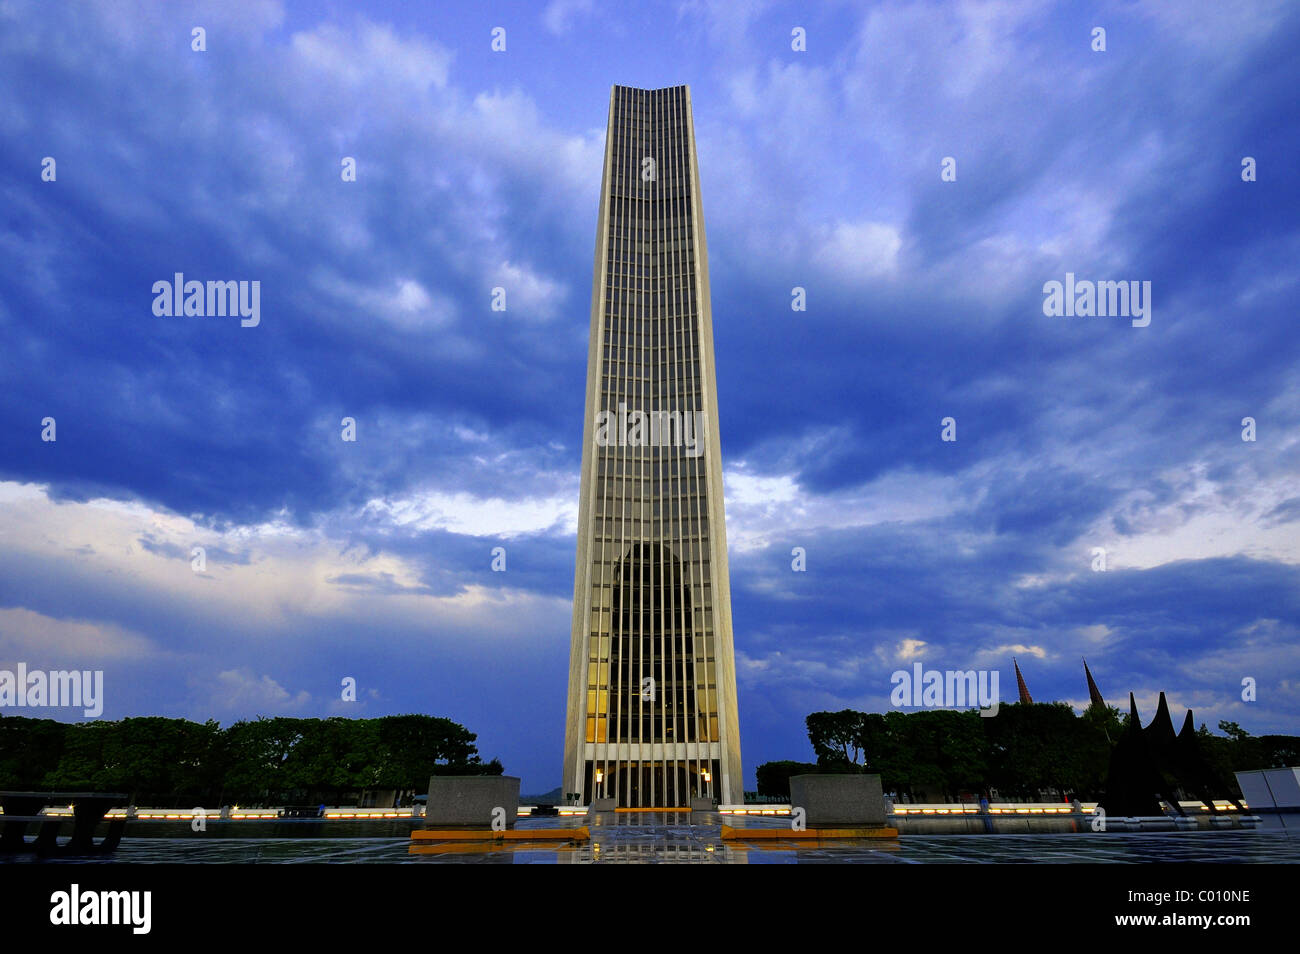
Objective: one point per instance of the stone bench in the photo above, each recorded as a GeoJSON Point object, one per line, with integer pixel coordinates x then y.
{"type": "Point", "coordinates": [468, 801]}
{"type": "Point", "coordinates": [22, 809]}
{"type": "Point", "coordinates": [839, 801]}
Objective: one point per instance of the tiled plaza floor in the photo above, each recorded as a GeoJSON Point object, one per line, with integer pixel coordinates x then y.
{"type": "Point", "coordinates": [672, 838]}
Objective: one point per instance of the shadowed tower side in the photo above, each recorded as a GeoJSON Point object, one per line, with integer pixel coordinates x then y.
{"type": "Point", "coordinates": [651, 718]}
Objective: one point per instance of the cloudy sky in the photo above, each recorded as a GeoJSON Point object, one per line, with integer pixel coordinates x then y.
{"type": "Point", "coordinates": [478, 169]}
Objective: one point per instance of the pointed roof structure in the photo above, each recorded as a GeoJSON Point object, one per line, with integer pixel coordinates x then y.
{"type": "Point", "coordinates": [1161, 728]}
{"type": "Point", "coordinates": [1152, 764]}
{"type": "Point", "coordinates": [1093, 692]}
{"type": "Point", "coordinates": [1133, 784]}
{"type": "Point", "coordinates": [1198, 776]}
{"type": "Point", "coordinates": [1025, 697]}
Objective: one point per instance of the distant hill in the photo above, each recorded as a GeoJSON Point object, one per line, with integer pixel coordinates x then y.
{"type": "Point", "coordinates": [553, 797]}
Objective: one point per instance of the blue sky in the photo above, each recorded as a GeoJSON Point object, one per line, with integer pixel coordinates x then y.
{"type": "Point", "coordinates": [820, 169]}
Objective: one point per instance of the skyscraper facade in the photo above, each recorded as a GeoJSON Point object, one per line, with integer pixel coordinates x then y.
{"type": "Point", "coordinates": [652, 684]}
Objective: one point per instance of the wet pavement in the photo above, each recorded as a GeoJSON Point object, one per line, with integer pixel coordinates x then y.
{"type": "Point", "coordinates": [683, 838]}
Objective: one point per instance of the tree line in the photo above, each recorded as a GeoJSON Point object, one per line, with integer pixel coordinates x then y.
{"type": "Point", "coordinates": [164, 762]}
{"type": "Point", "coordinates": [1025, 752]}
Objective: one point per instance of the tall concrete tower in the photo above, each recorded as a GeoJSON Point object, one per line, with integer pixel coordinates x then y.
{"type": "Point", "coordinates": [652, 678]}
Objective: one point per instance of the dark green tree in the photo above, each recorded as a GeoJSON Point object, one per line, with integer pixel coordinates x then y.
{"type": "Point", "coordinates": [30, 749]}
{"type": "Point", "coordinates": [774, 777]}
{"type": "Point", "coordinates": [837, 739]}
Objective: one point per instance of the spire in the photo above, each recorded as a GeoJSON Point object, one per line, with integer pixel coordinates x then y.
{"type": "Point", "coordinates": [1025, 697]}
{"type": "Point", "coordinates": [1161, 729]}
{"type": "Point", "coordinates": [1093, 692]}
